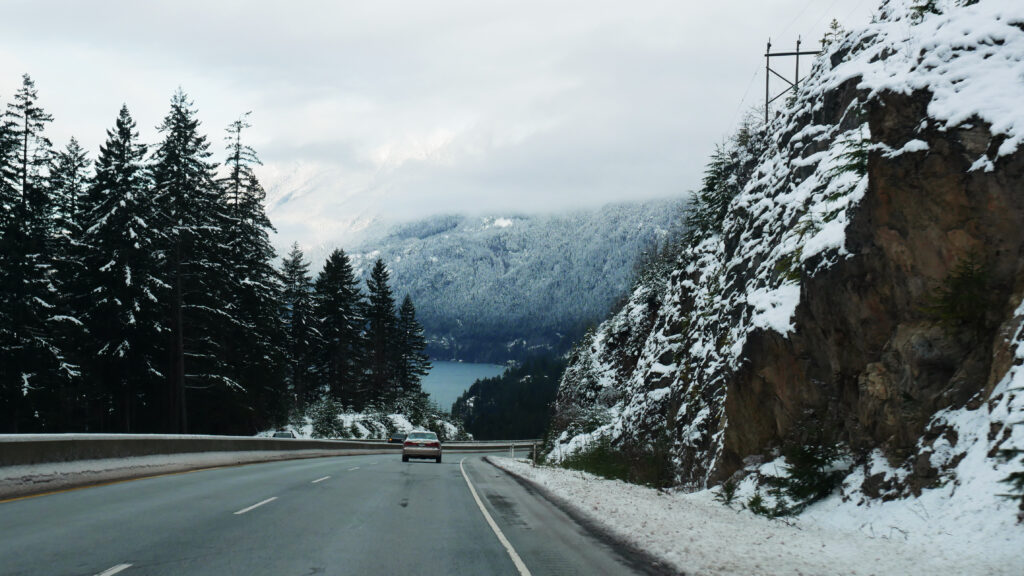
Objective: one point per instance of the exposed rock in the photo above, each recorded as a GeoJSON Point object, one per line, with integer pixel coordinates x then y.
{"type": "Point", "coordinates": [881, 338]}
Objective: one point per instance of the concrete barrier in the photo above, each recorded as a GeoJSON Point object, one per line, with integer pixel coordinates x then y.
{"type": "Point", "coordinates": [30, 449]}
{"type": "Point", "coordinates": [26, 450]}
{"type": "Point", "coordinates": [42, 463]}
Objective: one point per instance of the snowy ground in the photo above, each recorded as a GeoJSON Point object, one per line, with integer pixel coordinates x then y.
{"type": "Point", "coordinates": [368, 425]}
{"type": "Point", "coordinates": [699, 535]}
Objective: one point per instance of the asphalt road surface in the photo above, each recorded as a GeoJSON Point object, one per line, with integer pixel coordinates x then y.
{"type": "Point", "coordinates": [369, 514]}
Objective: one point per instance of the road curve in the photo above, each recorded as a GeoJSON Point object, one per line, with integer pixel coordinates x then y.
{"type": "Point", "coordinates": [370, 514]}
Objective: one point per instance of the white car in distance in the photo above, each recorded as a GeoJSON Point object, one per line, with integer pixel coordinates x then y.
{"type": "Point", "coordinates": [421, 444]}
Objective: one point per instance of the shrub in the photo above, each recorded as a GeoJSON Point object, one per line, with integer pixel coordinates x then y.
{"type": "Point", "coordinates": [727, 493]}
{"type": "Point", "coordinates": [810, 476]}
{"type": "Point", "coordinates": [1014, 479]}
{"type": "Point", "coordinates": [646, 465]}
{"type": "Point", "coordinates": [324, 417]}
{"type": "Point", "coordinates": [757, 506]}
{"type": "Point", "coordinates": [961, 301]}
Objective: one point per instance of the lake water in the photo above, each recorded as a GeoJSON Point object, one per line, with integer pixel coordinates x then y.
{"type": "Point", "coordinates": [448, 380]}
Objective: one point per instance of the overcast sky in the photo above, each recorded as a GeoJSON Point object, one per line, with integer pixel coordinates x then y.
{"type": "Point", "coordinates": [401, 109]}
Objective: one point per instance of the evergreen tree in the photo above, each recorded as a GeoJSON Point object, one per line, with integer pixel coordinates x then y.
{"type": "Point", "coordinates": [255, 345]}
{"type": "Point", "coordinates": [31, 360]}
{"type": "Point", "coordinates": [199, 311]}
{"type": "Point", "coordinates": [412, 364]}
{"type": "Point", "coordinates": [68, 181]}
{"type": "Point", "coordinates": [380, 336]}
{"type": "Point", "coordinates": [729, 167]}
{"type": "Point", "coordinates": [302, 340]}
{"type": "Point", "coordinates": [124, 286]}
{"type": "Point", "coordinates": [340, 320]}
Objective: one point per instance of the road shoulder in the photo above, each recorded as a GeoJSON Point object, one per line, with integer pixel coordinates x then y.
{"type": "Point", "coordinates": [638, 559]}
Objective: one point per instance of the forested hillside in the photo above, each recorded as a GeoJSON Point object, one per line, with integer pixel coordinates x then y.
{"type": "Point", "coordinates": [504, 288]}
{"type": "Point", "coordinates": [515, 405]}
{"type": "Point", "coordinates": [139, 291]}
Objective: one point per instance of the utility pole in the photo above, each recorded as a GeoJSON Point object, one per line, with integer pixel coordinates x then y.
{"type": "Point", "coordinates": [768, 71]}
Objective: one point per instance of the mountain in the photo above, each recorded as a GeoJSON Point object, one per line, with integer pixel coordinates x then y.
{"type": "Point", "coordinates": [851, 320]}
{"type": "Point", "coordinates": [495, 288]}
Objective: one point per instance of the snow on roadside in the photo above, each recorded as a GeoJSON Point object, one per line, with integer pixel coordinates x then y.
{"type": "Point", "coordinates": [698, 535]}
{"type": "Point", "coordinates": [370, 425]}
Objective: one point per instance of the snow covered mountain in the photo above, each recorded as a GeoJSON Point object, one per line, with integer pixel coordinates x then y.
{"type": "Point", "coordinates": [860, 300]}
{"type": "Point", "coordinates": [494, 288]}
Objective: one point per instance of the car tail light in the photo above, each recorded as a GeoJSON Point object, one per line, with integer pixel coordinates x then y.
{"type": "Point", "coordinates": [434, 444]}
{"type": "Point", "coordinates": [408, 443]}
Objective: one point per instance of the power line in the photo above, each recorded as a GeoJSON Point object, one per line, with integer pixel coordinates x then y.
{"type": "Point", "coordinates": [739, 109]}
{"type": "Point", "coordinates": [797, 17]}
{"type": "Point", "coordinates": [825, 13]}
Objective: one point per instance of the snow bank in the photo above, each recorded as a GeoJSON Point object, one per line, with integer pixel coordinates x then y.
{"type": "Point", "coordinates": [699, 535]}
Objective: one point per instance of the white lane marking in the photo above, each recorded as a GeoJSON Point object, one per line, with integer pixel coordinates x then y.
{"type": "Point", "coordinates": [114, 570]}
{"type": "Point", "coordinates": [256, 505]}
{"type": "Point", "coordinates": [319, 479]}
{"type": "Point", "coordinates": [523, 570]}
{"type": "Point", "coordinates": [351, 469]}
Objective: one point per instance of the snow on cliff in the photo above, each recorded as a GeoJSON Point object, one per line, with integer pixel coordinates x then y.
{"type": "Point", "coordinates": [668, 355]}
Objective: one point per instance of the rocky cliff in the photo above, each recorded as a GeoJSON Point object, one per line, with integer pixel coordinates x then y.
{"type": "Point", "coordinates": [863, 288]}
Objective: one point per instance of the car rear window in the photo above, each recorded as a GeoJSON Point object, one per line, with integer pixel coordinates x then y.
{"type": "Point", "coordinates": [422, 436]}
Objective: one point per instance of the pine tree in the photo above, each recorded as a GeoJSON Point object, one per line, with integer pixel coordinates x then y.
{"type": "Point", "coordinates": [199, 311]}
{"type": "Point", "coordinates": [32, 363]}
{"type": "Point", "coordinates": [301, 336]}
{"type": "Point", "coordinates": [125, 285]}
{"type": "Point", "coordinates": [254, 349]}
{"type": "Point", "coordinates": [413, 364]}
{"type": "Point", "coordinates": [68, 181]}
{"type": "Point", "coordinates": [380, 336]}
{"type": "Point", "coordinates": [11, 397]}
{"type": "Point", "coordinates": [730, 166]}
{"type": "Point", "coordinates": [340, 320]}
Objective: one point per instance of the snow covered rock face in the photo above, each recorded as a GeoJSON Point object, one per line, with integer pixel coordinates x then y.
{"type": "Point", "coordinates": [865, 280]}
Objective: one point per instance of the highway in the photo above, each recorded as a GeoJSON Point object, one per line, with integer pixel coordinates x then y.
{"type": "Point", "coordinates": [368, 514]}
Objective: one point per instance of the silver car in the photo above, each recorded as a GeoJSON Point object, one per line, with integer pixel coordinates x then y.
{"type": "Point", "coordinates": [421, 444]}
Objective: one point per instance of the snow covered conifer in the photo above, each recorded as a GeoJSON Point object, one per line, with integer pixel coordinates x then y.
{"type": "Point", "coordinates": [301, 336]}
{"type": "Point", "coordinates": [413, 363]}
{"type": "Point", "coordinates": [199, 310]}
{"type": "Point", "coordinates": [68, 181]}
{"type": "Point", "coordinates": [69, 175]}
{"type": "Point", "coordinates": [125, 358]}
{"type": "Point", "coordinates": [254, 348]}
{"type": "Point", "coordinates": [32, 362]}
{"type": "Point", "coordinates": [340, 320]}
{"type": "Point", "coordinates": [380, 336]}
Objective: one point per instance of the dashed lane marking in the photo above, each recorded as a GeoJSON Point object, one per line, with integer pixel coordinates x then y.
{"type": "Point", "coordinates": [256, 505]}
{"type": "Point", "coordinates": [351, 469]}
{"type": "Point", "coordinates": [523, 570]}
{"type": "Point", "coordinates": [114, 570]}
{"type": "Point", "coordinates": [319, 480]}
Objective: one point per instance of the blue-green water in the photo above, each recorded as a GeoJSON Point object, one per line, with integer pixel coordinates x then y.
{"type": "Point", "coordinates": [448, 380]}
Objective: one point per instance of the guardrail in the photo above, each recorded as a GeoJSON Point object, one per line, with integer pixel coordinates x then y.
{"type": "Point", "coordinates": [27, 450]}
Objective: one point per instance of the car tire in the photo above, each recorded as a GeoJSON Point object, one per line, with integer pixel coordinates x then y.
{"type": "Point", "coordinates": [438, 459]}
{"type": "Point", "coordinates": [405, 458]}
